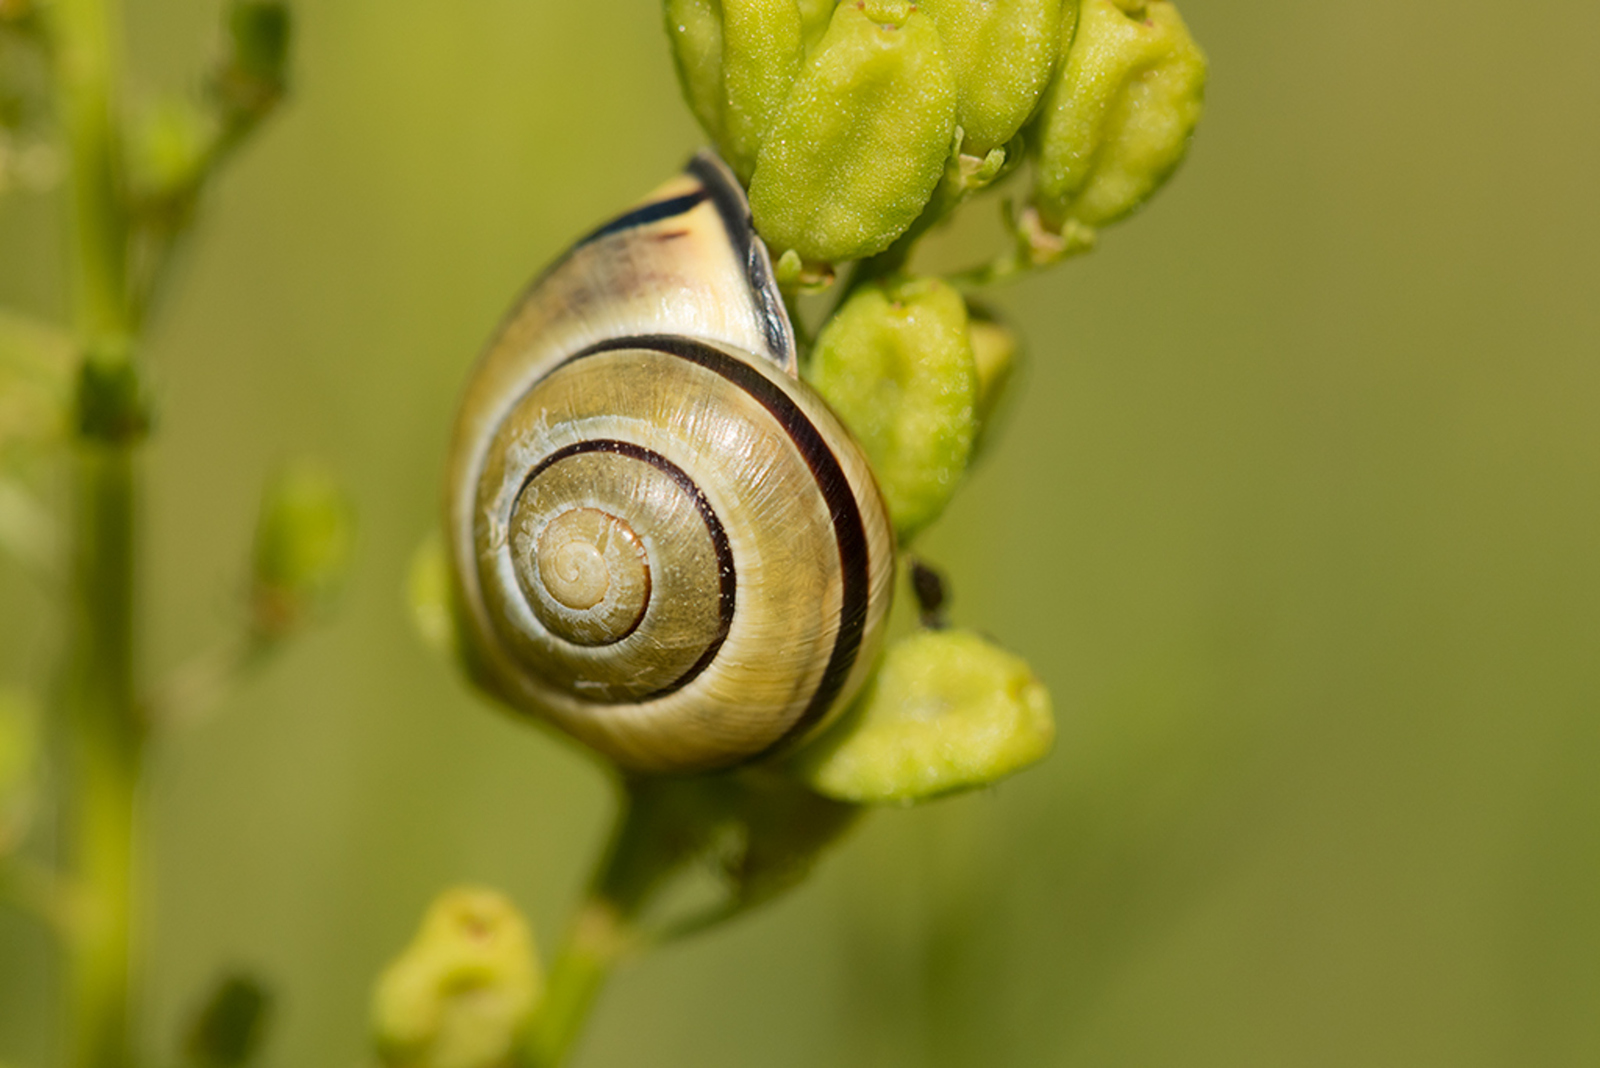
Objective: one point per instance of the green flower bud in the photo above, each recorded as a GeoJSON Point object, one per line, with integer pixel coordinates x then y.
{"type": "Point", "coordinates": [252, 75]}
{"type": "Point", "coordinates": [1117, 120]}
{"type": "Point", "coordinates": [994, 355]}
{"type": "Point", "coordinates": [736, 61]}
{"type": "Point", "coordinates": [861, 141]}
{"type": "Point", "coordinates": [462, 993]}
{"type": "Point", "coordinates": [36, 385]}
{"type": "Point", "coordinates": [947, 711]}
{"type": "Point", "coordinates": [1002, 53]}
{"type": "Point", "coordinates": [169, 148]}
{"type": "Point", "coordinates": [814, 18]}
{"type": "Point", "coordinates": [19, 752]}
{"type": "Point", "coordinates": [303, 537]}
{"type": "Point", "coordinates": [228, 1029]}
{"type": "Point", "coordinates": [896, 364]}
{"type": "Point", "coordinates": [428, 597]}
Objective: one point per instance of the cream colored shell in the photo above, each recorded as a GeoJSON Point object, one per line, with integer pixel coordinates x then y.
{"type": "Point", "coordinates": [662, 541]}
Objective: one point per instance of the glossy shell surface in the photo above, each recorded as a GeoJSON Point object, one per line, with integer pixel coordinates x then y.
{"type": "Point", "coordinates": [662, 541]}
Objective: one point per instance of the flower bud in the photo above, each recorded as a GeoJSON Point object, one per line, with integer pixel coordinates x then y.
{"type": "Point", "coordinates": [462, 993]}
{"type": "Point", "coordinates": [736, 61]}
{"type": "Point", "coordinates": [861, 141]}
{"type": "Point", "coordinates": [168, 149]}
{"type": "Point", "coordinates": [947, 711]}
{"type": "Point", "coordinates": [1117, 120]}
{"type": "Point", "coordinates": [253, 72]}
{"type": "Point", "coordinates": [896, 364]}
{"type": "Point", "coordinates": [1002, 53]}
{"type": "Point", "coordinates": [228, 1029]}
{"type": "Point", "coordinates": [36, 386]}
{"type": "Point", "coordinates": [994, 356]}
{"type": "Point", "coordinates": [302, 546]}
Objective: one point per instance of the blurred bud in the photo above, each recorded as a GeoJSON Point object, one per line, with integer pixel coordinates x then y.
{"type": "Point", "coordinates": [252, 75]}
{"type": "Point", "coordinates": [1002, 53]}
{"type": "Point", "coordinates": [1117, 120]}
{"type": "Point", "coordinates": [168, 148]}
{"type": "Point", "coordinates": [896, 365]}
{"type": "Point", "coordinates": [36, 382]}
{"type": "Point", "coordinates": [736, 60]}
{"type": "Point", "coordinates": [228, 1029]}
{"type": "Point", "coordinates": [994, 356]}
{"type": "Point", "coordinates": [793, 273]}
{"type": "Point", "coordinates": [861, 142]}
{"type": "Point", "coordinates": [428, 596]}
{"type": "Point", "coordinates": [947, 711]}
{"type": "Point", "coordinates": [19, 754]}
{"type": "Point", "coordinates": [462, 993]}
{"type": "Point", "coordinates": [113, 404]}
{"type": "Point", "coordinates": [302, 548]}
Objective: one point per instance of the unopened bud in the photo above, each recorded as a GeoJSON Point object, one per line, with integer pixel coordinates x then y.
{"type": "Point", "coordinates": [861, 141]}
{"type": "Point", "coordinates": [736, 61]}
{"type": "Point", "coordinates": [462, 993]}
{"type": "Point", "coordinates": [994, 355]}
{"type": "Point", "coordinates": [302, 546]}
{"type": "Point", "coordinates": [896, 364]}
{"type": "Point", "coordinates": [253, 73]}
{"type": "Point", "coordinates": [947, 711]}
{"type": "Point", "coordinates": [1117, 120]}
{"type": "Point", "coordinates": [1002, 53]}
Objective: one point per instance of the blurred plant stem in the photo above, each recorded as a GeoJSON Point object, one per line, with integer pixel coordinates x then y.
{"type": "Point", "coordinates": [105, 744]}
{"type": "Point", "coordinates": [103, 737]}
{"type": "Point", "coordinates": [600, 934]}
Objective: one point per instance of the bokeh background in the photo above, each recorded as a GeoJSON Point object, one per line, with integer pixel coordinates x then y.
{"type": "Point", "coordinates": [1297, 513]}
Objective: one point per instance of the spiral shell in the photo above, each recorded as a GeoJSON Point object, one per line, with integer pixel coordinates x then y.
{"type": "Point", "coordinates": [662, 541]}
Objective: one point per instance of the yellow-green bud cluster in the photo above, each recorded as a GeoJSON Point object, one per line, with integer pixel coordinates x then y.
{"type": "Point", "coordinates": [841, 117]}
{"type": "Point", "coordinates": [462, 993]}
{"type": "Point", "coordinates": [302, 546]}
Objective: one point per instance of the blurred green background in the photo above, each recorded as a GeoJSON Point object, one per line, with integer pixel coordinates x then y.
{"type": "Point", "coordinates": [1297, 513]}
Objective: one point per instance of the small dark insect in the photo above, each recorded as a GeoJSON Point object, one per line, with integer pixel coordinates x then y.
{"type": "Point", "coordinates": [928, 584]}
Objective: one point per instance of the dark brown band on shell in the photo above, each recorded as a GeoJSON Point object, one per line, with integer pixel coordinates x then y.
{"type": "Point", "coordinates": [727, 574]}
{"type": "Point", "coordinates": [848, 527]}
{"type": "Point", "coordinates": [741, 229]}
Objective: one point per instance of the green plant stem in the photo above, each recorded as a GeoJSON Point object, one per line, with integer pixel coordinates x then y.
{"type": "Point", "coordinates": [85, 40]}
{"type": "Point", "coordinates": [103, 739]}
{"type": "Point", "coordinates": [600, 935]}
{"type": "Point", "coordinates": [104, 745]}
{"type": "Point", "coordinates": [640, 854]}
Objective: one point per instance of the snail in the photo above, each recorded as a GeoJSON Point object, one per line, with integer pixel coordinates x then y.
{"type": "Point", "coordinates": [661, 540]}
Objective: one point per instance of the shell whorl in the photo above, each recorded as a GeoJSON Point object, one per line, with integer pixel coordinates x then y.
{"type": "Point", "coordinates": [661, 540]}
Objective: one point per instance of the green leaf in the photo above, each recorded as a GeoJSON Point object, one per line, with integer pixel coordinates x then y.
{"type": "Point", "coordinates": [947, 711]}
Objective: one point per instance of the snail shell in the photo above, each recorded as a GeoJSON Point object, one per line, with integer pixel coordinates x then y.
{"type": "Point", "coordinates": [662, 541]}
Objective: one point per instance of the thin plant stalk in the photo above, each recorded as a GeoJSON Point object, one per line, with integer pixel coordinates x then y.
{"type": "Point", "coordinates": [102, 735]}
